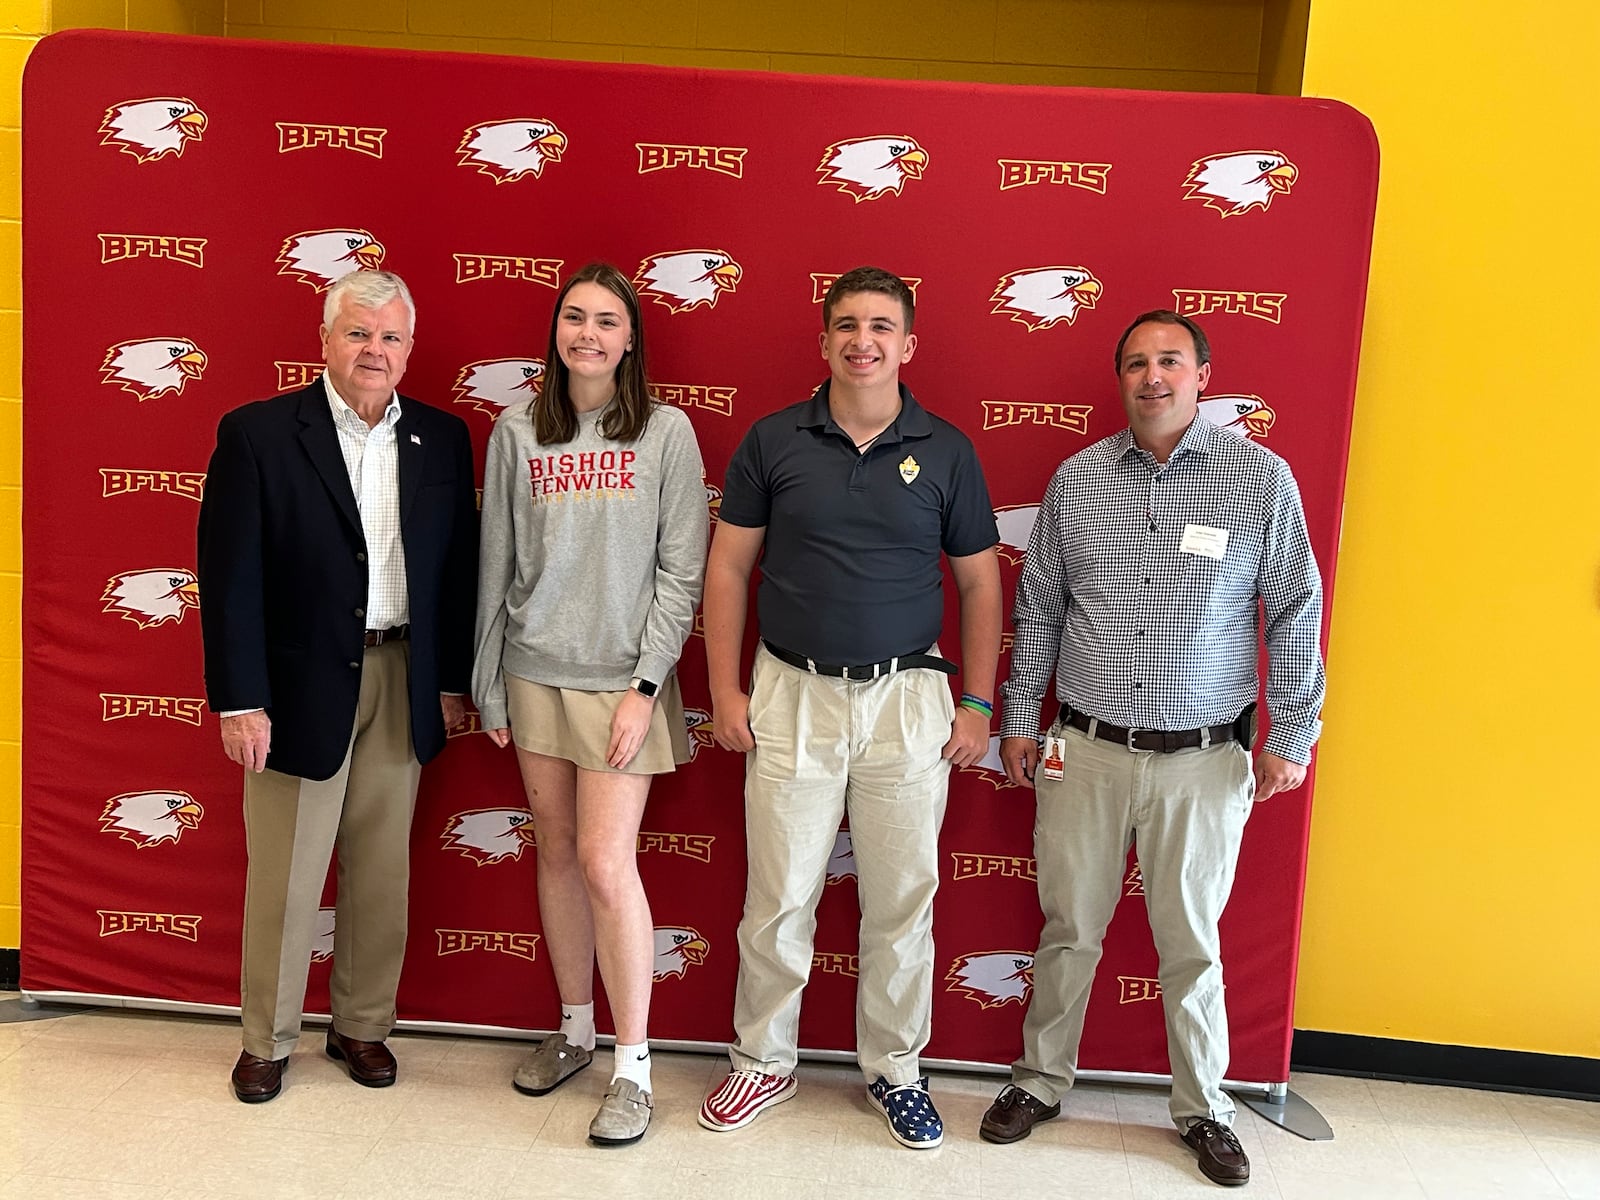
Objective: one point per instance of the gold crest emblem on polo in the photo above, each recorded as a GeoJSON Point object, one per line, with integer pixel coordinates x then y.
{"type": "Point", "coordinates": [909, 468]}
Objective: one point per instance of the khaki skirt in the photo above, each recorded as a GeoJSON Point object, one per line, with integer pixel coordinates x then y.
{"type": "Point", "coordinates": [575, 725]}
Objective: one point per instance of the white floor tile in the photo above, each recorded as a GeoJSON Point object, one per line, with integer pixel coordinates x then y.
{"type": "Point", "coordinates": [45, 1187]}
{"type": "Point", "coordinates": [241, 1159]}
{"type": "Point", "coordinates": [1419, 1104]}
{"type": "Point", "coordinates": [111, 1148]}
{"type": "Point", "coordinates": [1474, 1163]}
{"type": "Point", "coordinates": [398, 1168]}
{"type": "Point", "coordinates": [121, 1105]}
{"type": "Point", "coordinates": [1575, 1164]}
{"type": "Point", "coordinates": [1553, 1117]}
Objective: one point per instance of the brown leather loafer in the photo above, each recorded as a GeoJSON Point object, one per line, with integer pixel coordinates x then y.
{"type": "Point", "coordinates": [1222, 1159]}
{"type": "Point", "coordinates": [257, 1080]}
{"type": "Point", "coordinates": [370, 1063]}
{"type": "Point", "coordinates": [1013, 1115]}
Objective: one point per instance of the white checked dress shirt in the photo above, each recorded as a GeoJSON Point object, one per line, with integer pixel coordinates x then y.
{"type": "Point", "coordinates": [372, 459]}
{"type": "Point", "coordinates": [1145, 635]}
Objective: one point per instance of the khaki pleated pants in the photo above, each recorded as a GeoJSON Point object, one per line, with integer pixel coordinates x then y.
{"type": "Point", "coordinates": [292, 827]}
{"type": "Point", "coordinates": [826, 748]}
{"type": "Point", "coordinates": [1186, 814]}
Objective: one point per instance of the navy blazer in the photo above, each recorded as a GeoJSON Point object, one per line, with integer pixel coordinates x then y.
{"type": "Point", "coordinates": [283, 573]}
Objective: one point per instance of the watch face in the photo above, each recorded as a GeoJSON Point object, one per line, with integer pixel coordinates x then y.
{"type": "Point", "coordinates": [644, 687]}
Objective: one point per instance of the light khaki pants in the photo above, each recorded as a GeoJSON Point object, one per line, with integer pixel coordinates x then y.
{"type": "Point", "coordinates": [292, 826]}
{"type": "Point", "coordinates": [825, 748]}
{"type": "Point", "coordinates": [1186, 813]}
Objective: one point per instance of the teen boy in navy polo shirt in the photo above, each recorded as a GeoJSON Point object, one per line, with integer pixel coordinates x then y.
{"type": "Point", "coordinates": [849, 499]}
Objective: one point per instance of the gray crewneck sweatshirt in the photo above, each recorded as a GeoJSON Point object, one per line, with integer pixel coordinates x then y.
{"type": "Point", "coordinates": [592, 556]}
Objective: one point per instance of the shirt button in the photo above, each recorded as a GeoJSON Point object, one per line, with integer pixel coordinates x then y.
{"type": "Point", "coordinates": [361, 612]}
{"type": "Point", "coordinates": [1152, 526]}
{"type": "Point", "coordinates": [1137, 685]}
{"type": "Point", "coordinates": [355, 666]}
{"type": "Point", "coordinates": [361, 556]}
{"type": "Point", "coordinates": [1141, 633]}
{"type": "Point", "coordinates": [1147, 580]}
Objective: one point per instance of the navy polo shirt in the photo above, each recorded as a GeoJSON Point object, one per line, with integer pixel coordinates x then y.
{"type": "Point", "coordinates": [850, 566]}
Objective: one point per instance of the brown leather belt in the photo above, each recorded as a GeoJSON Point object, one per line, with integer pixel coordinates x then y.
{"type": "Point", "coordinates": [1150, 741]}
{"type": "Point", "coordinates": [395, 633]}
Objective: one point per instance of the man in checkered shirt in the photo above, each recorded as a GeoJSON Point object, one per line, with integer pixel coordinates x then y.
{"type": "Point", "coordinates": [1159, 557]}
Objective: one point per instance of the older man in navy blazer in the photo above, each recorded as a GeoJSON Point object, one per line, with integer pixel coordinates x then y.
{"type": "Point", "coordinates": [337, 568]}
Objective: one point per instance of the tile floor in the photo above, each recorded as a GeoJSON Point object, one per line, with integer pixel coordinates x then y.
{"type": "Point", "coordinates": [118, 1105]}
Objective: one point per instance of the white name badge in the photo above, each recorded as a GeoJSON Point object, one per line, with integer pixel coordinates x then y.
{"type": "Point", "coordinates": [1203, 539]}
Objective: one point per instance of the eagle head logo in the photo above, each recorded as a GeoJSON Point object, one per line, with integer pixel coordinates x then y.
{"type": "Point", "coordinates": [1236, 183]}
{"type": "Point", "coordinates": [150, 818]}
{"type": "Point", "coordinates": [498, 383]}
{"type": "Point", "coordinates": [508, 150]}
{"type": "Point", "coordinates": [713, 500]}
{"type": "Point", "coordinates": [1040, 297]}
{"type": "Point", "coordinates": [992, 979]}
{"type": "Point", "coordinates": [989, 765]}
{"type": "Point", "coordinates": [489, 835]}
{"type": "Point", "coordinates": [153, 128]}
{"type": "Point", "coordinates": [322, 938]}
{"type": "Point", "coordinates": [152, 367]}
{"type": "Point", "coordinates": [322, 257]}
{"type": "Point", "coordinates": [868, 168]}
{"type": "Point", "coordinates": [677, 950]}
{"type": "Point", "coordinates": [1015, 522]}
{"type": "Point", "coordinates": [153, 597]}
{"type": "Point", "coordinates": [1248, 416]}
{"type": "Point", "coordinates": [842, 862]}
{"type": "Point", "coordinates": [698, 721]}
{"type": "Point", "coordinates": [686, 279]}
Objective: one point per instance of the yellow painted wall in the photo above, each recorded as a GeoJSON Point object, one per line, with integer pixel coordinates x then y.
{"type": "Point", "coordinates": [22, 23]}
{"type": "Point", "coordinates": [1179, 45]}
{"type": "Point", "coordinates": [1454, 884]}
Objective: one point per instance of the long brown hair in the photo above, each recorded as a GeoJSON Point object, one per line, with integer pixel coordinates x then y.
{"type": "Point", "coordinates": [554, 420]}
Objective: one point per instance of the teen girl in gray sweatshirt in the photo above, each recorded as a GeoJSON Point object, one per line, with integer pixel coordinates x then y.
{"type": "Point", "coordinates": [591, 565]}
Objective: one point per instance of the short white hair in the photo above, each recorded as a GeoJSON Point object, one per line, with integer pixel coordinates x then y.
{"type": "Point", "coordinates": [369, 289]}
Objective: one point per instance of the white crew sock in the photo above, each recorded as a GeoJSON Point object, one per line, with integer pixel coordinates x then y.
{"type": "Point", "coordinates": [577, 1022]}
{"type": "Point", "coordinates": [632, 1062]}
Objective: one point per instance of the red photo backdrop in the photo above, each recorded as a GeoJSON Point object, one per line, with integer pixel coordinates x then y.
{"type": "Point", "coordinates": [186, 202]}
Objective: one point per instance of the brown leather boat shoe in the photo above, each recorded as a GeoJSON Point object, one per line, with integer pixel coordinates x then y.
{"type": "Point", "coordinates": [1222, 1159]}
{"type": "Point", "coordinates": [370, 1063]}
{"type": "Point", "coordinates": [1013, 1115]}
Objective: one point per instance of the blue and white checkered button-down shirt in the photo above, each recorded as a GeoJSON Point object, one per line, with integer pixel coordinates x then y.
{"type": "Point", "coordinates": [1143, 634]}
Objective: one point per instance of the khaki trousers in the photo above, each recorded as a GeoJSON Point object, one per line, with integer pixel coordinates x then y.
{"type": "Point", "coordinates": [826, 748]}
{"type": "Point", "coordinates": [292, 826]}
{"type": "Point", "coordinates": [1186, 813]}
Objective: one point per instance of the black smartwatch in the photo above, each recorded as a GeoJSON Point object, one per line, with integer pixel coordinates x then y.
{"type": "Point", "coordinates": [644, 687]}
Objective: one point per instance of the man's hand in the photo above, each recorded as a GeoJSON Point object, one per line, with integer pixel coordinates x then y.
{"type": "Point", "coordinates": [246, 739]}
{"type": "Point", "coordinates": [1275, 774]}
{"type": "Point", "coordinates": [730, 723]}
{"type": "Point", "coordinates": [454, 709]}
{"type": "Point", "coordinates": [1020, 757]}
{"type": "Point", "coordinates": [629, 724]}
{"type": "Point", "coordinates": [500, 737]}
{"type": "Point", "coordinates": [969, 738]}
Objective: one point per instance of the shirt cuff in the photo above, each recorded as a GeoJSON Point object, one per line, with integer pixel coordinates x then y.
{"type": "Point", "coordinates": [240, 712]}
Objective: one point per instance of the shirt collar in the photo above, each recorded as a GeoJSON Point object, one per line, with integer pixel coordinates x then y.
{"type": "Point", "coordinates": [1197, 439]}
{"type": "Point", "coordinates": [344, 414]}
{"type": "Point", "coordinates": [912, 420]}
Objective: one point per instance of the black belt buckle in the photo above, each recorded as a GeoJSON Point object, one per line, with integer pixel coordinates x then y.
{"type": "Point", "coordinates": [1246, 726]}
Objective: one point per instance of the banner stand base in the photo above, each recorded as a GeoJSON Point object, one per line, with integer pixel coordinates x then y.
{"type": "Point", "coordinates": [1291, 1111]}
